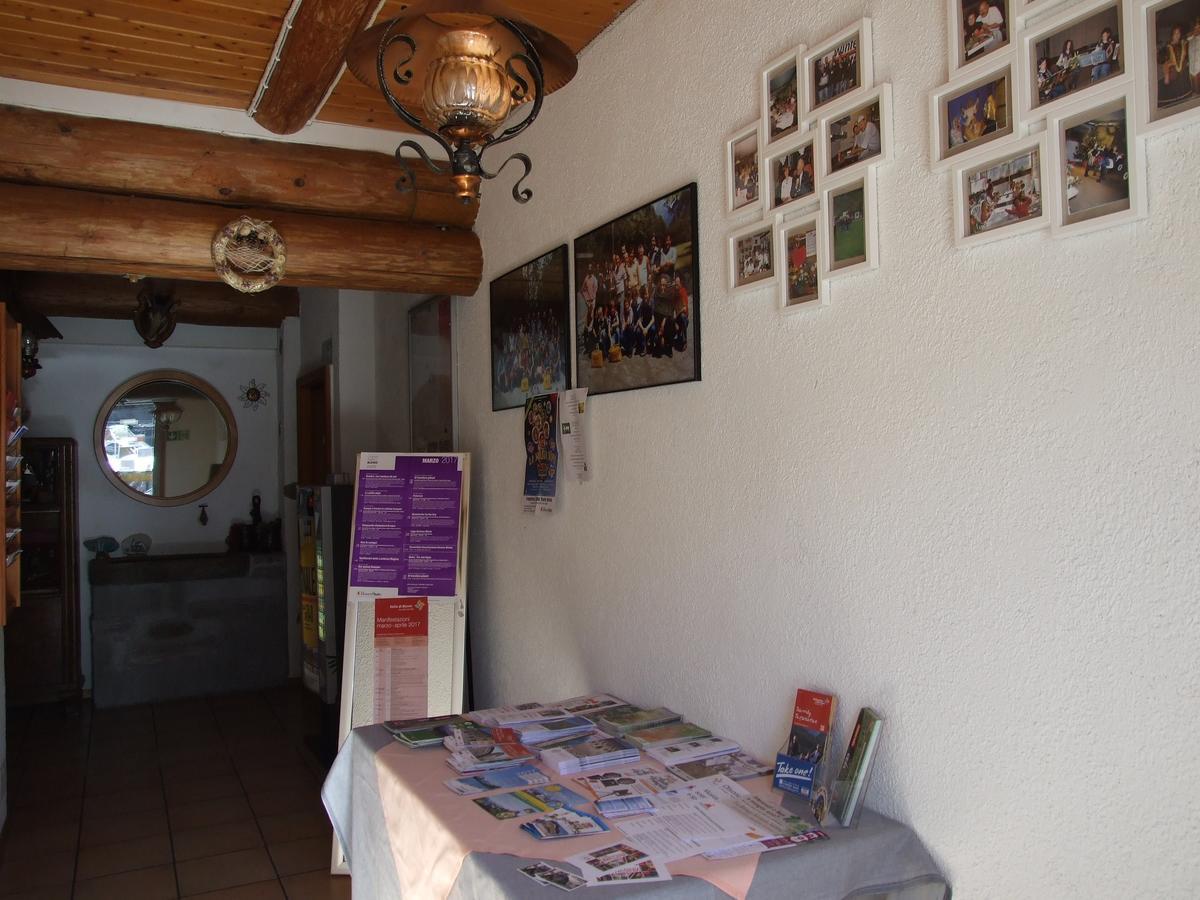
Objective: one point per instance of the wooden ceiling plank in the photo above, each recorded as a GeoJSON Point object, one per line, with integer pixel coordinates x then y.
{"type": "Point", "coordinates": [310, 62]}
{"type": "Point", "coordinates": [60, 150]}
{"type": "Point", "coordinates": [114, 297]}
{"type": "Point", "coordinates": [183, 14]}
{"type": "Point", "coordinates": [70, 76]}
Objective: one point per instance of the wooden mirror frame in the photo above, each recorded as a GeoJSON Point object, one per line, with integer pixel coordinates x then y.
{"type": "Point", "coordinates": [193, 382]}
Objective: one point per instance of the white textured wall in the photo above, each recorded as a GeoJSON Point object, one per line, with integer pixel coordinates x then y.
{"type": "Point", "coordinates": [964, 494]}
{"type": "Point", "coordinates": [95, 356]}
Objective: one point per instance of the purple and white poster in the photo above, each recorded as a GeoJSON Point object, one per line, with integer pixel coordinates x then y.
{"type": "Point", "coordinates": [406, 524]}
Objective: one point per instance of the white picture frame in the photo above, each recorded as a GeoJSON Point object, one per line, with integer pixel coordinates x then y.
{"type": "Point", "coordinates": [809, 221]}
{"type": "Point", "coordinates": [859, 31]}
{"type": "Point", "coordinates": [737, 281]}
{"type": "Point", "coordinates": [858, 262]}
{"type": "Point", "coordinates": [1043, 188]}
{"type": "Point", "coordinates": [805, 140]}
{"type": "Point", "coordinates": [959, 60]}
{"type": "Point", "coordinates": [793, 59]}
{"type": "Point", "coordinates": [1151, 117]}
{"type": "Point", "coordinates": [1027, 10]}
{"type": "Point", "coordinates": [735, 147]}
{"type": "Point", "coordinates": [834, 128]}
{"type": "Point", "coordinates": [1074, 18]}
{"type": "Point", "coordinates": [1095, 107]}
{"type": "Point", "coordinates": [942, 154]}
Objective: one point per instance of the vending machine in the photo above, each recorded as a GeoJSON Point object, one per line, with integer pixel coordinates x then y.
{"type": "Point", "coordinates": [325, 513]}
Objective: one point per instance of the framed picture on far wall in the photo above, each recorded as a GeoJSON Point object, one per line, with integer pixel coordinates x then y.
{"type": "Point", "coordinates": [643, 327]}
{"type": "Point", "coordinates": [1003, 195]}
{"type": "Point", "coordinates": [970, 113]}
{"type": "Point", "coordinates": [781, 101]}
{"type": "Point", "coordinates": [859, 136]}
{"type": "Point", "coordinates": [743, 159]}
{"type": "Point", "coordinates": [1169, 35]}
{"type": "Point", "coordinates": [978, 30]}
{"type": "Point", "coordinates": [791, 175]}
{"type": "Point", "coordinates": [850, 239]}
{"type": "Point", "coordinates": [839, 69]}
{"type": "Point", "coordinates": [1074, 52]}
{"type": "Point", "coordinates": [1098, 163]}
{"type": "Point", "coordinates": [751, 256]}
{"type": "Point", "coordinates": [799, 258]}
{"type": "Point", "coordinates": [531, 330]}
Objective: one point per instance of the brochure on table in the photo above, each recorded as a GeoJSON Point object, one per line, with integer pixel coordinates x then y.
{"type": "Point", "coordinates": [404, 654]}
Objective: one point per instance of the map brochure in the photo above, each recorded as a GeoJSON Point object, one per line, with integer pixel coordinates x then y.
{"type": "Point", "coordinates": [564, 823]}
{"type": "Point", "coordinates": [513, 777]}
{"type": "Point", "coordinates": [528, 801]}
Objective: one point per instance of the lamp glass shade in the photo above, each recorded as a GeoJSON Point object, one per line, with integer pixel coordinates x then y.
{"type": "Point", "coordinates": [467, 93]}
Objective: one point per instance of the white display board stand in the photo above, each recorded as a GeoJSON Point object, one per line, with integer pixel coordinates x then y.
{"type": "Point", "coordinates": [404, 652]}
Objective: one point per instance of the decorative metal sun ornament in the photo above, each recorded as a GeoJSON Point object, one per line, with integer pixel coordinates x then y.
{"type": "Point", "coordinates": [467, 65]}
{"type": "Point", "coordinates": [254, 395]}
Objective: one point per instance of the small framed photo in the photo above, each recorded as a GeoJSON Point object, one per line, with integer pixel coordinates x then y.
{"type": "Point", "coordinates": [531, 330]}
{"type": "Point", "coordinates": [781, 97]}
{"type": "Point", "coordinates": [1003, 195]}
{"type": "Point", "coordinates": [978, 30]}
{"type": "Point", "coordinates": [797, 248]}
{"type": "Point", "coordinates": [839, 69]}
{"type": "Point", "coordinates": [751, 256]}
{"type": "Point", "coordinates": [1072, 53]}
{"type": "Point", "coordinates": [743, 159]}
{"type": "Point", "coordinates": [1169, 34]}
{"type": "Point", "coordinates": [791, 174]}
{"type": "Point", "coordinates": [857, 137]}
{"type": "Point", "coordinates": [1097, 162]}
{"type": "Point", "coordinates": [851, 233]}
{"type": "Point", "coordinates": [970, 113]}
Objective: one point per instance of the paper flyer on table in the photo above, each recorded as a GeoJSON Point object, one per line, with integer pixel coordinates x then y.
{"type": "Point", "coordinates": [541, 453]}
{"type": "Point", "coordinates": [401, 657]}
{"type": "Point", "coordinates": [620, 862]}
{"type": "Point", "coordinates": [572, 410]}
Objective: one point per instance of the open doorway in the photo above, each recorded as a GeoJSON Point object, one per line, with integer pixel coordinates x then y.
{"type": "Point", "coordinates": [431, 376]}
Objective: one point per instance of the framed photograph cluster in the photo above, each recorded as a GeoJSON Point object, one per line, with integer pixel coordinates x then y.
{"type": "Point", "coordinates": [636, 319]}
{"type": "Point", "coordinates": [803, 174]}
{"type": "Point", "coordinates": [1042, 124]}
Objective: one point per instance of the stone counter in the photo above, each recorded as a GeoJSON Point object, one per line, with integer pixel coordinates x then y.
{"type": "Point", "coordinates": [172, 626]}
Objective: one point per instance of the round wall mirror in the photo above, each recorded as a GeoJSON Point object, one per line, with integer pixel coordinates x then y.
{"type": "Point", "coordinates": [165, 438]}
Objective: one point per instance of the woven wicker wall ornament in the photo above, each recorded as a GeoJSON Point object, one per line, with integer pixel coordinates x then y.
{"type": "Point", "coordinates": [249, 255]}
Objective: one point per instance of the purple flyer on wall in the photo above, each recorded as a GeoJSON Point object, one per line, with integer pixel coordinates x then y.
{"type": "Point", "coordinates": [406, 524]}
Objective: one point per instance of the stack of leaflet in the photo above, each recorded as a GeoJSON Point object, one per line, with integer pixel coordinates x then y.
{"type": "Point", "coordinates": [738, 766]}
{"type": "Point", "coordinates": [590, 705]}
{"type": "Point", "coordinates": [601, 753]}
{"type": "Point", "coordinates": [505, 751]}
{"type": "Point", "coordinates": [671, 733]}
{"type": "Point", "coordinates": [683, 752]}
{"type": "Point", "coordinates": [463, 734]}
{"type": "Point", "coordinates": [533, 733]}
{"type": "Point", "coordinates": [624, 719]}
{"type": "Point", "coordinates": [421, 732]}
{"type": "Point", "coordinates": [522, 713]}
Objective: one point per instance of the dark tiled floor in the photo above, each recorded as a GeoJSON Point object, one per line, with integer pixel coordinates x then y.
{"type": "Point", "coordinates": [212, 798]}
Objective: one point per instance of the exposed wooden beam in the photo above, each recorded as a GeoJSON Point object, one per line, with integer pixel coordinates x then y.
{"type": "Point", "coordinates": [113, 297]}
{"type": "Point", "coordinates": [310, 61]}
{"type": "Point", "coordinates": [61, 230]}
{"type": "Point", "coordinates": [61, 150]}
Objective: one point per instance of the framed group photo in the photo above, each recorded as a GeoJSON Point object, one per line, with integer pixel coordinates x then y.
{"type": "Point", "coordinates": [531, 330]}
{"type": "Point", "coordinates": [782, 108]}
{"type": "Point", "coordinates": [791, 175]}
{"type": "Point", "coordinates": [798, 252]}
{"type": "Point", "coordinates": [858, 136]}
{"type": "Point", "coordinates": [1169, 33]}
{"type": "Point", "coordinates": [743, 160]}
{"type": "Point", "coordinates": [850, 231]}
{"type": "Point", "coordinates": [637, 307]}
{"type": "Point", "coordinates": [1073, 52]}
{"type": "Point", "coordinates": [1098, 161]}
{"type": "Point", "coordinates": [971, 112]}
{"type": "Point", "coordinates": [839, 69]}
{"type": "Point", "coordinates": [1003, 195]}
{"type": "Point", "coordinates": [978, 30]}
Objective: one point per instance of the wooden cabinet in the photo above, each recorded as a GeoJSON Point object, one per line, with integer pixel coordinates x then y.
{"type": "Point", "coordinates": [42, 638]}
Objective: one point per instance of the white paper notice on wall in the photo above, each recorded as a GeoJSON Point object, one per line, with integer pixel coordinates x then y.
{"type": "Point", "coordinates": [401, 658]}
{"type": "Point", "coordinates": [572, 412]}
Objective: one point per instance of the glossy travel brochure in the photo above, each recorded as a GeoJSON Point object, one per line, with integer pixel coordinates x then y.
{"type": "Point", "coordinates": [513, 777]}
{"type": "Point", "coordinates": [564, 823]}
{"type": "Point", "coordinates": [528, 801]}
